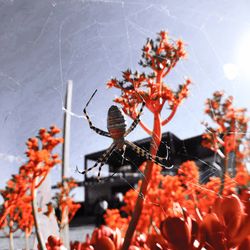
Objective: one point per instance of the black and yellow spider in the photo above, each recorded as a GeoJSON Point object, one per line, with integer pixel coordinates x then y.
{"type": "Point", "coordinates": [116, 125]}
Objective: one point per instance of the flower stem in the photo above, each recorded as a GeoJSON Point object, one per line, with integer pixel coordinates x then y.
{"type": "Point", "coordinates": [11, 241]}
{"type": "Point", "coordinates": [26, 240]}
{"type": "Point", "coordinates": [223, 176]}
{"type": "Point", "coordinates": [156, 139]}
{"type": "Point", "coordinates": [35, 215]}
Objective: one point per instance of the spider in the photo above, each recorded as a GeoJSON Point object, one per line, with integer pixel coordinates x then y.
{"type": "Point", "coordinates": [116, 125]}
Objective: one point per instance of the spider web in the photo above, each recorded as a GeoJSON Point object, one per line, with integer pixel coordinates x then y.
{"type": "Point", "coordinates": [196, 22]}
{"type": "Point", "coordinates": [90, 41]}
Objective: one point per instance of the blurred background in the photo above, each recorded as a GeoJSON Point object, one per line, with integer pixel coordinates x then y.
{"type": "Point", "coordinates": [45, 43]}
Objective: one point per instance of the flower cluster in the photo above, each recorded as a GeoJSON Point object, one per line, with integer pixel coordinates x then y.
{"type": "Point", "coordinates": [41, 159]}
{"type": "Point", "coordinates": [160, 57]}
{"type": "Point", "coordinates": [103, 238]}
{"type": "Point", "coordinates": [53, 243]}
{"type": "Point", "coordinates": [19, 194]}
{"type": "Point", "coordinates": [166, 195]}
{"type": "Point", "coordinates": [226, 226]}
{"type": "Point", "coordinates": [65, 201]}
{"type": "Point", "coordinates": [229, 135]}
{"type": "Point", "coordinates": [231, 124]}
{"type": "Point", "coordinates": [17, 211]}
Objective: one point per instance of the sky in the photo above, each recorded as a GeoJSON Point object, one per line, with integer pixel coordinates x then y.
{"type": "Point", "coordinates": [45, 43]}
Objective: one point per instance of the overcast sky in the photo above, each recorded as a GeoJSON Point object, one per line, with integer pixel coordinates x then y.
{"type": "Point", "coordinates": [45, 43]}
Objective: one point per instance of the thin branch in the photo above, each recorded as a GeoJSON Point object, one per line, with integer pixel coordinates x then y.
{"type": "Point", "coordinates": [169, 118]}
{"type": "Point", "coordinates": [145, 128]}
{"type": "Point", "coordinates": [41, 181]}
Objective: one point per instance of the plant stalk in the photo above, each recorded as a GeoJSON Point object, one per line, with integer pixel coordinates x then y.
{"type": "Point", "coordinates": [64, 227]}
{"type": "Point", "coordinates": [224, 172]}
{"type": "Point", "coordinates": [11, 240]}
{"type": "Point", "coordinates": [26, 239]}
{"type": "Point", "coordinates": [155, 142]}
{"type": "Point", "coordinates": [35, 215]}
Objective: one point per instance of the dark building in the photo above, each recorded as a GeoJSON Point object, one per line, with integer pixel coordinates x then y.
{"type": "Point", "coordinates": [123, 173]}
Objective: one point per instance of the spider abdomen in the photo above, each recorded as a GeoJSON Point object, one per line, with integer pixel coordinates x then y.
{"type": "Point", "coordinates": [116, 123]}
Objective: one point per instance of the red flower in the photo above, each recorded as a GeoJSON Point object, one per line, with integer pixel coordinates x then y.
{"type": "Point", "coordinates": [81, 246]}
{"type": "Point", "coordinates": [242, 177]}
{"type": "Point", "coordinates": [54, 243]}
{"type": "Point", "coordinates": [213, 234]}
{"type": "Point", "coordinates": [229, 225]}
{"type": "Point", "coordinates": [245, 244]}
{"type": "Point", "coordinates": [156, 242]}
{"type": "Point", "coordinates": [181, 233]}
{"type": "Point", "coordinates": [104, 238]}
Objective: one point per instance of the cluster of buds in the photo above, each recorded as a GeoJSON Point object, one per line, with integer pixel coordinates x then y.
{"type": "Point", "coordinates": [64, 199]}
{"type": "Point", "coordinates": [231, 124]}
{"type": "Point", "coordinates": [17, 210]}
{"type": "Point", "coordinates": [18, 194]}
{"type": "Point", "coordinates": [160, 57]}
{"type": "Point", "coordinates": [166, 195]}
{"type": "Point", "coordinates": [41, 159]}
{"type": "Point", "coordinates": [162, 54]}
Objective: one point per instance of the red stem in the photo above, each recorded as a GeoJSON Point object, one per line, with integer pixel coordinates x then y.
{"type": "Point", "coordinates": [143, 125]}
{"type": "Point", "coordinates": [41, 181]}
{"type": "Point", "coordinates": [147, 130]}
{"type": "Point", "coordinates": [11, 241]}
{"type": "Point", "coordinates": [224, 173]}
{"type": "Point", "coordinates": [167, 120]}
{"type": "Point", "coordinates": [156, 139]}
{"type": "Point", "coordinates": [6, 212]}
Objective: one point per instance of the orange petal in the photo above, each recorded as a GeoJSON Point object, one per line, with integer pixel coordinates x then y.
{"type": "Point", "coordinates": [156, 242]}
{"type": "Point", "coordinates": [242, 232]}
{"type": "Point", "coordinates": [232, 211]}
{"type": "Point", "coordinates": [213, 232]}
{"type": "Point", "coordinates": [176, 231]}
{"type": "Point", "coordinates": [118, 240]}
{"type": "Point", "coordinates": [245, 244]}
{"type": "Point", "coordinates": [104, 243]}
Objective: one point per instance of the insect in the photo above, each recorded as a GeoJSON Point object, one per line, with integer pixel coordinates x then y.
{"type": "Point", "coordinates": [116, 125]}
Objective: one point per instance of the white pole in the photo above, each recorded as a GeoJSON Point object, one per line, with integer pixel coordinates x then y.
{"type": "Point", "coordinates": [64, 230]}
{"type": "Point", "coordinates": [66, 130]}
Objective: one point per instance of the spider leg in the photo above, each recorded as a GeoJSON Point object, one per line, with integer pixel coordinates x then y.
{"type": "Point", "coordinates": [123, 153]}
{"type": "Point", "coordinates": [136, 121]}
{"type": "Point", "coordinates": [116, 171]}
{"type": "Point", "coordinates": [106, 178]}
{"type": "Point", "coordinates": [97, 130]}
{"type": "Point", "coordinates": [147, 155]}
{"type": "Point", "coordinates": [110, 176]}
{"type": "Point", "coordinates": [87, 170]}
{"type": "Point", "coordinates": [102, 160]}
